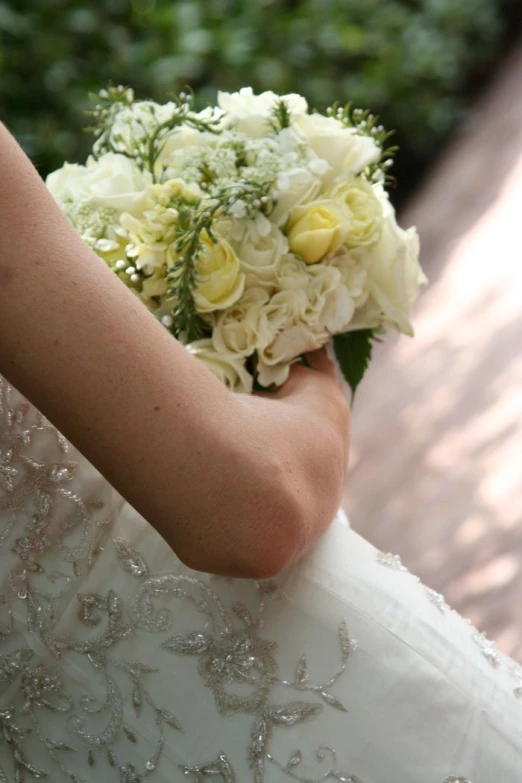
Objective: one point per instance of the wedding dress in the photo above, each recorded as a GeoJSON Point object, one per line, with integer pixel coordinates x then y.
{"type": "Point", "coordinates": [119, 664]}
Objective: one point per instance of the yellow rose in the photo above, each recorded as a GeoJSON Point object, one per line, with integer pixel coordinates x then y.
{"type": "Point", "coordinates": [220, 281]}
{"type": "Point", "coordinates": [364, 208]}
{"type": "Point", "coordinates": [318, 229]}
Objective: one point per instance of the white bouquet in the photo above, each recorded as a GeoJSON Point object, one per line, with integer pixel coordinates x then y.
{"type": "Point", "coordinates": [255, 230]}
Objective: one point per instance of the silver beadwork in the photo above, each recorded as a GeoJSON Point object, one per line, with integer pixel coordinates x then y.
{"type": "Point", "coordinates": [45, 514]}
{"type": "Point", "coordinates": [437, 599]}
{"type": "Point", "coordinates": [487, 648]}
{"type": "Point", "coordinates": [391, 561]}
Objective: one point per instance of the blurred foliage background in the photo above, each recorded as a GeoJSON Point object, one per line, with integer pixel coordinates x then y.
{"type": "Point", "coordinates": [412, 61]}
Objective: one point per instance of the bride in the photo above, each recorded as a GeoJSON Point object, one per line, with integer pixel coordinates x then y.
{"type": "Point", "coordinates": [306, 656]}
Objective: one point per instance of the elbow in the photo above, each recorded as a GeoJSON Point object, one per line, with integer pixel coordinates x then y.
{"type": "Point", "coordinates": [272, 558]}
{"type": "Point", "coordinates": [257, 561]}
{"type": "Point", "coordinates": [260, 543]}
{"type": "Point", "coordinates": [276, 541]}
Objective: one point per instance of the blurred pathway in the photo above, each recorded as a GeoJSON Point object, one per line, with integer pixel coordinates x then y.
{"type": "Point", "coordinates": [436, 471]}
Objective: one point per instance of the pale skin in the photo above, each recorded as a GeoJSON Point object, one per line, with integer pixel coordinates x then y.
{"type": "Point", "coordinates": [237, 485]}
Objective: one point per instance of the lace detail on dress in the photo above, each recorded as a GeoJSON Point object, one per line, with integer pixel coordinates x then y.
{"type": "Point", "coordinates": [71, 697]}
{"type": "Point", "coordinates": [47, 522]}
{"type": "Point", "coordinates": [232, 654]}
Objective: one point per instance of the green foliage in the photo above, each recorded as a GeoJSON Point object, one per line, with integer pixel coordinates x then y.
{"type": "Point", "coordinates": [353, 352]}
{"type": "Point", "coordinates": [195, 221]}
{"type": "Point", "coordinates": [408, 60]}
{"type": "Point", "coordinates": [281, 116]}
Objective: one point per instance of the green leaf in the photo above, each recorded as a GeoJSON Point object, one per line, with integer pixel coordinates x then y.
{"type": "Point", "coordinates": [353, 351]}
{"type": "Point", "coordinates": [280, 116]}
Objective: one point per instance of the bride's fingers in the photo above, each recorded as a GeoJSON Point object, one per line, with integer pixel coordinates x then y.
{"type": "Point", "coordinates": [306, 378]}
{"type": "Point", "coordinates": [319, 360]}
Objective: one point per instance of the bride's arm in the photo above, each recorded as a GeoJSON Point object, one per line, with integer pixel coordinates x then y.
{"type": "Point", "coordinates": [235, 485]}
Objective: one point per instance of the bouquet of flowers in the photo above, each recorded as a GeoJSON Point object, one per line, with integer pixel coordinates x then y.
{"type": "Point", "coordinates": [255, 230]}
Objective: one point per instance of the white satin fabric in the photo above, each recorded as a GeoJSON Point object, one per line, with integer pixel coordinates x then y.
{"type": "Point", "coordinates": [117, 663]}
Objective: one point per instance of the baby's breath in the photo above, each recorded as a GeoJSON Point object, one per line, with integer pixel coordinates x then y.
{"type": "Point", "coordinates": [139, 129]}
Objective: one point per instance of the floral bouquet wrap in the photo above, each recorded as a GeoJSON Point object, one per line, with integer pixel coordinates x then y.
{"type": "Point", "coordinates": [255, 230]}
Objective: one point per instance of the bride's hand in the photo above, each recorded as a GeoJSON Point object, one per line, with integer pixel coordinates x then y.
{"type": "Point", "coordinates": [307, 422]}
{"type": "Point", "coordinates": [315, 387]}
{"type": "Point", "coordinates": [316, 391]}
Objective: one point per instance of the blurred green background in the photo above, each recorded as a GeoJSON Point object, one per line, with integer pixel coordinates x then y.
{"type": "Point", "coordinates": [415, 62]}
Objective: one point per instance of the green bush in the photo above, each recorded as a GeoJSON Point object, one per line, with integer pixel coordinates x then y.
{"type": "Point", "coordinates": [409, 60]}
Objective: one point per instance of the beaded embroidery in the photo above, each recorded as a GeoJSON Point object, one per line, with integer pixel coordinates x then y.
{"type": "Point", "coordinates": [44, 518]}
{"type": "Point", "coordinates": [47, 518]}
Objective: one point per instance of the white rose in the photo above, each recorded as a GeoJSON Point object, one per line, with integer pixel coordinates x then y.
{"type": "Point", "coordinates": [353, 265]}
{"type": "Point", "coordinates": [250, 113]}
{"type": "Point", "coordinates": [227, 367]}
{"type": "Point", "coordinates": [345, 150]}
{"type": "Point", "coordinates": [394, 276]}
{"type": "Point", "coordinates": [274, 361]}
{"type": "Point", "coordinates": [238, 228]}
{"type": "Point", "coordinates": [244, 327]}
{"type": "Point", "coordinates": [293, 187]}
{"type": "Point", "coordinates": [260, 255]}
{"type": "Point", "coordinates": [293, 274]}
{"type": "Point", "coordinates": [111, 181]}
{"type": "Point", "coordinates": [284, 311]}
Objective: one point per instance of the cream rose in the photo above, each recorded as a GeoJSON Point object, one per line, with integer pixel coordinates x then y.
{"type": "Point", "coordinates": [346, 151]}
{"type": "Point", "coordinates": [353, 266]}
{"type": "Point", "coordinates": [260, 255]}
{"type": "Point", "coordinates": [394, 277]}
{"type": "Point", "coordinates": [365, 211]}
{"type": "Point", "coordinates": [244, 327]}
{"type": "Point", "coordinates": [275, 360]}
{"type": "Point", "coordinates": [112, 181]}
{"type": "Point", "coordinates": [220, 280]}
{"type": "Point", "coordinates": [227, 367]}
{"type": "Point", "coordinates": [293, 273]}
{"type": "Point", "coordinates": [293, 187]}
{"type": "Point", "coordinates": [250, 113]}
{"type": "Point", "coordinates": [318, 229]}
